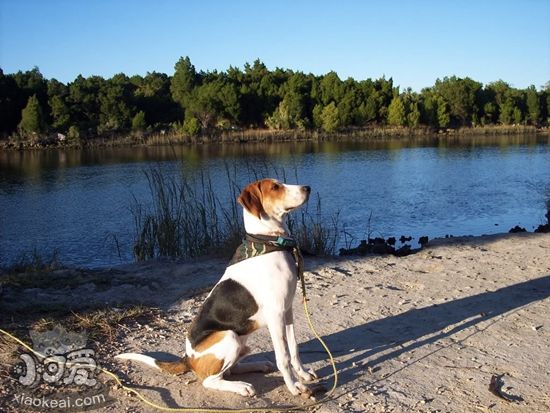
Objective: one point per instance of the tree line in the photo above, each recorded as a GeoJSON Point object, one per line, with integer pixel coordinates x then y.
{"type": "Point", "coordinates": [195, 102]}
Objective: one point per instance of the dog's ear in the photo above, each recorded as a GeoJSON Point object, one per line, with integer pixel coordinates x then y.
{"type": "Point", "coordinates": [251, 199]}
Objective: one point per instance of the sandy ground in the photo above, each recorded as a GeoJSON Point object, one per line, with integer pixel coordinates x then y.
{"type": "Point", "coordinates": [422, 333]}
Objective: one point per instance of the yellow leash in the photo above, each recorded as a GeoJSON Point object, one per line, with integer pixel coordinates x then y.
{"type": "Point", "coordinates": [299, 261]}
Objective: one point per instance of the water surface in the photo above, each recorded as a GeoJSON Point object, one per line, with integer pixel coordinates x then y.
{"type": "Point", "coordinates": [77, 201]}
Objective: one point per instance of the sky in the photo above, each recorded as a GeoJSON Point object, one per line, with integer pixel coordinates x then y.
{"type": "Point", "coordinates": [414, 42]}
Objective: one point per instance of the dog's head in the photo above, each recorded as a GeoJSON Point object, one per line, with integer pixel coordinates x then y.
{"type": "Point", "coordinates": [269, 198]}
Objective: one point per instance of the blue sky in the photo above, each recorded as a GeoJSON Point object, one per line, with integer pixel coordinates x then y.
{"type": "Point", "coordinates": [415, 42]}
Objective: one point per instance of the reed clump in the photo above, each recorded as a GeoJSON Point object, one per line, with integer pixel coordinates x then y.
{"type": "Point", "coordinates": [188, 218]}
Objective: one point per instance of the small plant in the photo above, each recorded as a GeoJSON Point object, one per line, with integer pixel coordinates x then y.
{"type": "Point", "coordinates": [34, 262]}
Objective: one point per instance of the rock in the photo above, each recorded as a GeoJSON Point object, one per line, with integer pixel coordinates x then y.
{"type": "Point", "coordinates": [404, 239]}
{"type": "Point", "coordinates": [543, 228]}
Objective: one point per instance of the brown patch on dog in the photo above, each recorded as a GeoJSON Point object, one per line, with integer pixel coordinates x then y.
{"type": "Point", "coordinates": [205, 366]}
{"type": "Point", "coordinates": [258, 197]}
{"type": "Point", "coordinates": [251, 199]}
{"type": "Point", "coordinates": [209, 341]}
{"type": "Point", "coordinates": [174, 367]}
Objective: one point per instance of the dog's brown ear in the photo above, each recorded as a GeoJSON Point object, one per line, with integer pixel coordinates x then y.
{"type": "Point", "coordinates": [251, 199]}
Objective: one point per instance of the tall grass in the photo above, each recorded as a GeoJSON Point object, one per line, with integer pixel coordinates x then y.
{"type": "Point", "coordinates": [188, 218]}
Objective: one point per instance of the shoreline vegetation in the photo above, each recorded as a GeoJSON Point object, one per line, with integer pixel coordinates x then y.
{"type": "Point", "coordinates": [254, 104]}
{"type": "Point", "coordinates": [244, 136]}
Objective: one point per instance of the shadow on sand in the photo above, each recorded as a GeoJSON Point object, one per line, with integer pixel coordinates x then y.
{"type": "Point", "coordinates": [389, 337]}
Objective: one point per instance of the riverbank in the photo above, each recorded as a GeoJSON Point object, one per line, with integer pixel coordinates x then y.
{"type": "Point", "coordinates": [422, 333]}
{"type": "Point", "coordinates": [57, 140]}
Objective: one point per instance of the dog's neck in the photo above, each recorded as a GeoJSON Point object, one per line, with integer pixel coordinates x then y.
{"type": "Point", "coordinates": [265, 226]}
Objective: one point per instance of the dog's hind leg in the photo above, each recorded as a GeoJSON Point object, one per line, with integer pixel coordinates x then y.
{"type": "Point", "coordinates": [218, 383]}
{"type": "Point", "coordinates": [218, 360]}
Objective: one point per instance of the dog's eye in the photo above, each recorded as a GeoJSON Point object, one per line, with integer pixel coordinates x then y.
{"type": "Point", "coordinates": [275, 187]}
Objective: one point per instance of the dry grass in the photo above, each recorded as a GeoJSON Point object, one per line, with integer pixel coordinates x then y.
{"type": "Point", "coordinates": [102, 325]}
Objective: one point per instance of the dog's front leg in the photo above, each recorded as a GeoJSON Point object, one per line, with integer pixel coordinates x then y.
{"type": "Point", "coordinates": [277, 329]}
{"type": "Point", "coordinates": [297, 365]}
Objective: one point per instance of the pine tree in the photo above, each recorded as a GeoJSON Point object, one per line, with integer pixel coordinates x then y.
{"type": "Point", "coordinates": [32, 119]}
{"type": "Point", "coordinates": [443, 115]}
{"type": "Point", "coordinates": [138, 122]}
{"type": "Point", "coordinates": [533, 105]}
{"type": "Point", "coordinates": [330, 118]}
{"type": "Point", "coordinates": [396, 112]}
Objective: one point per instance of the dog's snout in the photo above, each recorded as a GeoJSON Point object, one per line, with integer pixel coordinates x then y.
{"type": "Point", "coordinates": [306, 189]}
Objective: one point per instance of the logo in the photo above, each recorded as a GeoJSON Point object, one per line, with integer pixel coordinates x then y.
{"type": "Point", "coordinates": [62, 362]}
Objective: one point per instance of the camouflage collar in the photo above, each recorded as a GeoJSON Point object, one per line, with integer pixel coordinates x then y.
{"type": "Point", "coordinates": [255, 245]}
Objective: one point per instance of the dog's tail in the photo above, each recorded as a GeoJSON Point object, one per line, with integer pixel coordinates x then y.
{"type": "Point", "coordinates": [179, 366]}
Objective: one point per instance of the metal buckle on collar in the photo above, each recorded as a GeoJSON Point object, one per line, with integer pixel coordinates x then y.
{"type": "Point", "coordinates": [285, 242]}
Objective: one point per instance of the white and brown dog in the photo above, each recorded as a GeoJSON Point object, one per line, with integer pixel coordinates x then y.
{"type": "Point", "coordinates": [252, 293]}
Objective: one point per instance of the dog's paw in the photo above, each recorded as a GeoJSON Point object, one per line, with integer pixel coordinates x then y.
{"type": "Point", "coordinates": [307, 376]}
{"type": "Point", "coordinates": [300, 389]}
{"type": "Point", "coordinates": [243, 388]}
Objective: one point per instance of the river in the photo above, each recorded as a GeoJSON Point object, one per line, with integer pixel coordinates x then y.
{"type": "Point", "coordinates": [77, 202]}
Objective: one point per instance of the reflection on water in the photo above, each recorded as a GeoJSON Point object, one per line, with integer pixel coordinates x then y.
{"type": "Point", "coordinates": [76, 201]}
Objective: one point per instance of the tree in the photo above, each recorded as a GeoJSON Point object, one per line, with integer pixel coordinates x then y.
{"type": "Point", "coordinates": [292, 111]}
{"type": "Point", "coordinates": [138, 122]}
{"type": "Point", "coordinates": [32, 119]}
{"type": "Point", "coordinates": [489, 113]}
{"type": "Point", "coordinates": [115, 104]}
{"type": "Point", "coordinates": [191, 126]}
{"type": "Point", "coordinates": [10, 110]}
{"type": "Point", "coordinates": [212, 102]}
{"type": "Point", "coordinates": [258, 91]}
{"type": "Point", "coordinates": [372, 107]}
{"type": "Point", "coordinates": [411, 102]}
{"type": "Point", "coordinates": [443, 115]}
{"type": "Point", "coordinates": [413, 117]}
{"type": "Point", "coordinates": [533, 106]}
{"type": "Point", "coordinates": [84, 104]}
{"type": "Point", "coordinates": [330, 118]}
{"type": "Point", "coordinates": [317, 118]}
{"type": "Point", "coordinates": [349, 104]}
{"type": "Point", "coordinates": [546, 103]}
{"type": "Point", "coordinates": [152, 96]}
{"type": "Point", "coordinates": [331, 88]}
{"type": "Point", "coordinates": [396, 112]}
{"type": "Point", "coordinates": [281, 118]}
{"type": "Point", "coordinates": [183, 82]}
{"type": "Point", "coordinates": [384, 95]}
{"type": "Point", "coordinates": [462, 96]}
{"type": "Point", "coordinates": [511, 108]}
{"type": "Point", "coordinates": [59, 109]}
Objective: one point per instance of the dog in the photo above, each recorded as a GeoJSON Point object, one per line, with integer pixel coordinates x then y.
{"type": "Point", "coordinates": [256, 291]}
